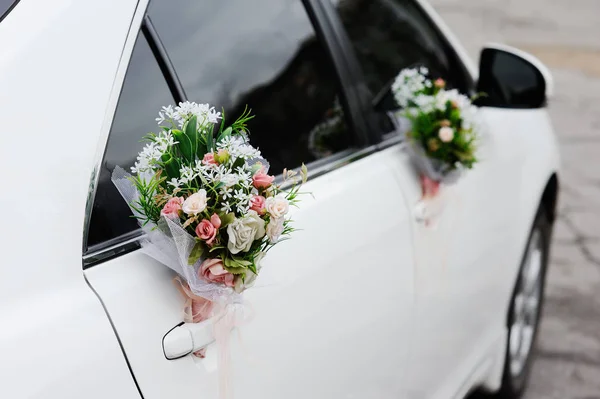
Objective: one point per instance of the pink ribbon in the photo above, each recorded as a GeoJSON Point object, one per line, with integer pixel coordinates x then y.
{"type": "Point", "coordinates": [197, 309]}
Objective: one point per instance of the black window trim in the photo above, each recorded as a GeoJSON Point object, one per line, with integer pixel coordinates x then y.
{"type": "Point", "coordinates": [347, 80]}
{"type": "Point", "coordinates": [162, 58]}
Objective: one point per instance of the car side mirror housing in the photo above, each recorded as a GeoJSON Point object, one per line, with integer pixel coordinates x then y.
{"type": "Point", "coordinates": [511, 78]}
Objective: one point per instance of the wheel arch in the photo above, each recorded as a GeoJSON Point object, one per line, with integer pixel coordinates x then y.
{"type": "Point", "coordinates": [550, 198]}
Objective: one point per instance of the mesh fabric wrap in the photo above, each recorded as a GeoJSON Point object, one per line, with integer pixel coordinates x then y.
{"type": "Point", "coordinates": [171, 245]}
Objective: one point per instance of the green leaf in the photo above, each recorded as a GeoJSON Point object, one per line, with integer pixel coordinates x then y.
{"type": "Point", "coordinates": [235, 265]}
{"type": "Point", "coordinates": [224, 133]}
{"type": "Point", "coordinates": [184, 145]}
{"type": "Point", "coordinates": [252, 268]}
{"type": "Point", "coordinates": [226, 219]}
{"type": "Point", "coordinates": [238, 162]}
{"type": "Point", "coordinates": [188, 139]}
{"type": "Point", "coordinates": [171, 165]}
{"type": "Point", "coordinates": [196, 253]}
{"type": "Point", "coordinates": [209, 139]}
{"type": "Point", "coordinates": [216, 247]}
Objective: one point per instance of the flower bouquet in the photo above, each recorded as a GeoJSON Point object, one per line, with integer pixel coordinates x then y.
{"type": "Point", "coordinates": [209, 209]}
{"type": "Point", "coordinates": [442, 131]}
{"type": "Point", "coordinates": [441, 128]}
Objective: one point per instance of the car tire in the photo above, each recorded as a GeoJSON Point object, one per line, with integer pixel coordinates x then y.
{"type": "Point", "coordinates": [525, 309]}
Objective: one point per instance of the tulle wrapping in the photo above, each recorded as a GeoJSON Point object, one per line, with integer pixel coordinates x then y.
{"type": "Point", "coordinates": [432, 168]}
{"type": "Point", "coordinates": [171, 245]}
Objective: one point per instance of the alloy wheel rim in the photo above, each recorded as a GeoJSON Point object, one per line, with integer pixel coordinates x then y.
{"type": "Point", "coordinates": [526, 306]}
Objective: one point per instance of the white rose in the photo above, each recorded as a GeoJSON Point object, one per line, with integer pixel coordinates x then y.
{"type": "Point", "coordinates": [243, 231]}
{"type": "Point", "coordinates": [274, 229]}
{"type": "Point", "coordinates": [195, 203]}
{"type": "Point", "coordinates": [277, 206]}
{"type": "Point", "coordinates": [446, 134]}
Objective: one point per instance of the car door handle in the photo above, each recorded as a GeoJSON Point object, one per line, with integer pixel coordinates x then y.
{"type": "Point", "coordinates": [186, 338]}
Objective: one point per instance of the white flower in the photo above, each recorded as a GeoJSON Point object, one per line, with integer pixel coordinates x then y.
{"type": "Point", "coordinates": [446, 134]}
{"type": "Point", "coordinates": [274, 229]}
{"type": "Point", "coordinates": [164, 140]}
{"type": "Point", "coordinates": [226, 207]}
{"type": "Point", "coordinates": [226, 192]}
{"type": "Point", "coordinates": [147, 158]}
{"type": "Point", "coordinates": [187, 174]}
{"type": "Point", "coordinates": [166, 113]}
{"type": "Point", "coordinates": [238, 147]}
{"type": "Point", "coordinates": [408, 84]}
{"type": "Point", "coordinates": [242, 207]}
{"type": "Point", "coordinates": [229, 179]}
{"type": "Point", "coordinates": [195, 203]}
{"type": "Point", "coordinates": [243, 231]}
{"type": "Point", "coordinates": [277, 206]}
{"type": "Point", "coordinates": [174, 182]}
{"type": "Point", "coordinates": [205, 114]}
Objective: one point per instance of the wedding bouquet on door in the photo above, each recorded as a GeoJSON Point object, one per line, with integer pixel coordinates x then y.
{"type": "Point", "coordinates": [441, 128]}
{"type": "Point", "coordinates": [207, 205]}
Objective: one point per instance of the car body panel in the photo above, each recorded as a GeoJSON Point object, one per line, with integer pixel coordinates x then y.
{"type": "Point", "coordinates": [57, 68]}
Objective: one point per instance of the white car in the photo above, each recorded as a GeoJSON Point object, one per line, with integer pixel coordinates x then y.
{"type": "Point", "coordinates": [366, 301]}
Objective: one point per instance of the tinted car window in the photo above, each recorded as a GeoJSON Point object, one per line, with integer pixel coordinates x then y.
{"type": "Point", "coordinates": [389, 35]}
{"type": "Point", "coordinates": [6, 6]}
{"type": "Point", "coordinates": [144, 92]}
{"type": "Point", "coordinates": [271, 61]}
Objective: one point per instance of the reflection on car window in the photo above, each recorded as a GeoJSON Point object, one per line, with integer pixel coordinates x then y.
{"type": "Point", "coordinates": [273, 62]}
{"type": "Point", "coordinates": [389, 35]}
{"type": "Point", "coordinates": [144, 92]}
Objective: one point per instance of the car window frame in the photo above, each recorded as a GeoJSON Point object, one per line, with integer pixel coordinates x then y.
{"type": "Point", "coordinates": [142, 23]}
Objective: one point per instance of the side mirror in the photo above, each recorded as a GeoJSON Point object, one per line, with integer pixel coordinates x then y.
{"type": "Point", "coordinates": [511, 78]}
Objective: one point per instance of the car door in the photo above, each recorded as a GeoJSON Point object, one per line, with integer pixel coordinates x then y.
{"type": "Point", "coordinates": [333, 306]}
{"type": "Point", "coordinates": [459, 257]}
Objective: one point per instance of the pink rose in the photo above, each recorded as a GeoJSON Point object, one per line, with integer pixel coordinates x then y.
{"type": "Point", "coordinates": [262, 180]}
{"type": "Point", "coordinates": [206, 231]}
{"type": "Point", "coordinates": [215, 220]}
{"type": "Point", "coordinates": [439, 83]}
{"type": "Point", "coordinates": [257, 204]}
{"type": "Point", "coordinates": [209, 159]}
{"type": "Point", "coordinates": [172, 207]}
{"type": "Point", "coordinates": [212, 271]}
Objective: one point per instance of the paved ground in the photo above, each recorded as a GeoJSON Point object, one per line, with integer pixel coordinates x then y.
{"type": "Point", "coordinates": [566, 36]}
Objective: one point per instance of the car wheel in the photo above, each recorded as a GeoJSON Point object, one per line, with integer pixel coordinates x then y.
{"type": "Point", "coordinates": [525, 310]}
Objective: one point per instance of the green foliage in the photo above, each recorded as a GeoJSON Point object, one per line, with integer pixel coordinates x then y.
{"type": "Point", "coordinates": [146, 205]}
{"type": "Point", "coordinates": [425, 131]}
{"type": "Point", "coordinates": [196, 253]}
